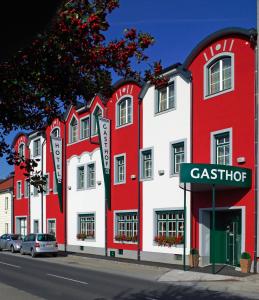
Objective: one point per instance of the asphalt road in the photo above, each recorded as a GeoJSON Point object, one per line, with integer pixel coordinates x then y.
{"type": "Point", "coordinates": [46, 280]}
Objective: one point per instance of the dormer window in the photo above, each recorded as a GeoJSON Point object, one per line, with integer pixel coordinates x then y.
{"type": "Point", "coordinates": [97, 113]}
{"type": "Point", "coordinates": [21, 150]}
{"type": "Point", "coordinates": [124, 111]}
{"type": "Point", "coordinates": [219, 75]}
{"type": "Point", "coordinates": [165, 98]}
{"type": "Point", "coordinates": [73, 130]}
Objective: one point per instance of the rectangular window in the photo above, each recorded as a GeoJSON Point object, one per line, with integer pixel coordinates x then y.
{"type": "Point", "coordinates": [54, 183]}
{"type": "Point", "coordinates": [85, 128]}
{"type": "Point", "coordinates": [35, 226]}
{"type": "Point", "coordinates": [127, 227]}
{"type": "Point", "coordinates": [177, 156]}
{"type": "Point", "coordinates": [120, 169]}
{"type": "Point", "coordinates": [170, 223]}
{"type": "Point", "coordinates": [6, 203]}
{"type": "Point", "coordinates": [21, 226]}
{"type": "Point", "coordinates": [6, 228]}
{"type": "Point", "coordinates": [146, 164]}
{"type": "Point", "coordinates": [222, 148]}
{"type": "Point", "coordinates": [81, 178]}
{"type": "Point", "coordinates": [91, 175]}
{"type": "Point", "coordinates": [52, 227]}
{"type": "Point", "coordinates": [26, 188]}
{"type": "Point", "coordinates": [35, 191]}
{"type": "Point", "coordinates": [166, 98]}
{"type": "Point", "coordinates": [46, 186]}
{"type": "Point", "coordinates": [87, 225]}
{"type": "Point", "coordinates": [36, 147]}
{"type": "Point", "coordinates": [19, 190]}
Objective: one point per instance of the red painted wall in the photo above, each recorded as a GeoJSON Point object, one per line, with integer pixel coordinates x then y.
{"type": "Point", "coordinates": [124, 140]}
{"type": "Point", "coordinates": [234, 109]}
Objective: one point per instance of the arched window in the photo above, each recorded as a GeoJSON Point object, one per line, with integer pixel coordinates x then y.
{"type": "Point", "coordinates": [21, 150]}
{"type": "Point", "coordinates": [124, 111]}
{"type": "Point", "coordinates": [73, 130]}
{"type": "Point", "coordinates": [219, 75]}
{"type": "Point", "coordinates": [55, 132]}
{"type": "Point", "coordinates": [97, 112]}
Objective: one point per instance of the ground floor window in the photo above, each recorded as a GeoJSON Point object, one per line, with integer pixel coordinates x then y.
{"type": "Point", "coordinates": [35, 226]}
{"type": "Point", "coordinates": [52, 227]}
{"type": "Point", "coordinates": [169, 227]}
{"type": "Point", "coordinates": [21, 226]}
{"type": "Point", "coordinates": [126, 227]}
{"type": "Point", "coordinates": [86, 226]}
{"type": "Point", "coordinates": [6, 228]}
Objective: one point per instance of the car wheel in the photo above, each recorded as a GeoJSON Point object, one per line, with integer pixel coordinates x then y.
{"type": "Point", "coordinates": [12, 249]}
{"type": "Point", "coordinates": [21, 251]}
{"type": "Point", "coordinates": [33, 254]}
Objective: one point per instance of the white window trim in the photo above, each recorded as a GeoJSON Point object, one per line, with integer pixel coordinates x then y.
{"type": "Point", "coordinates": [29, 189]}
{"type": "Point", "coordinates": [92, 119]}
{"type": "Point", "coordinates": [87, 174]}
{"type": "Point", "coordinates": [22, 144]}
{"type": "Point", "coordinates": [77, 177]}
{"type": "Point", "coordinates": [81, 128]}
{"type": "Point", "coordinates": [19, 181]}
{"type": "Point", "coordinates": [52, 219]}
{"type": "Point", "coordinates": [70, 133]}
{"type": "Point", "coordinates": [117, 114]}
{"type": "Point", "coordinates": [95, 228]}
{"type": "Point", "coordinates": [206, 71]}
{"type": "Point", "coordinates": [156, 92]}
{"type": "Point", "coordinates": [116, 182]}
{"type": "Point", "coordinates": [141, 178]}
{"type": "Point", "coordinates": [38, 224]}
{"type": "Point", "coordinates": [171, 145]}
{"type": "Point", "coordinates": [213, 144]}
{"type": "Point", "coordinates": [33, 143]}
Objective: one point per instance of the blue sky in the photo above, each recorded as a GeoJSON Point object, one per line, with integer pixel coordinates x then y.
{"type": "Point", "coordinates": [177, 26]}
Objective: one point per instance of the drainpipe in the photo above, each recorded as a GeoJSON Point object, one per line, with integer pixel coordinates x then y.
{"type": "Point", "coordinates": [139, 211]}
{"type": "Point", "coordinates": [44, 142]}
{"type": "Point", "coordinates": [256, 143]}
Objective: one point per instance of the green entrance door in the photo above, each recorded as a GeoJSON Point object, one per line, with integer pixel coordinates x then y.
{"type": "Point", "coordinates": [227, 237]}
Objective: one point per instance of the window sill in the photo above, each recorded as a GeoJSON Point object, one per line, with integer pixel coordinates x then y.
{"type": "Point", "coordinates": [164, 111]}
{"type": "Point", "coordinates": [209, 96]}
{"type": "Point", "coordinates": [125, 242]}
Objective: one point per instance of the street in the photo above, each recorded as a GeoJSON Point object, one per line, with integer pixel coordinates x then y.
{"type": "Point", "coordinates": [40, 278]}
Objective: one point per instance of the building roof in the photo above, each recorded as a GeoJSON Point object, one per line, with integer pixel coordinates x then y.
{"type": "Point", "coordinates": [6, 184]}
{"type": "Point", "coordinates": [249, 34]}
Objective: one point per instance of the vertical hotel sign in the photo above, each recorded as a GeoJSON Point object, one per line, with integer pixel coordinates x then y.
{"type": "Point", "coordinates": [103, 125]}
{"type": "Point", "coordinates": [56, 145]}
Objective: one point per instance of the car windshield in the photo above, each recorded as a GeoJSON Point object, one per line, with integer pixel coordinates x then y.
{"type": "Point", "coordinates": [16, 237]}
{"type": "Point", "coordinates": [46, 238]}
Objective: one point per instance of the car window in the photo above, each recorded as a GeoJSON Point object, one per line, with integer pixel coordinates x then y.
{"type": "Point", "coordinates": [46, 238]}
{"type": "Point", "coordinates": [3, 237]}
{"type": "Point", "coordinates": [32, 237]}
{"type": "Point", "coordinates": [26, 238]}
{"type": "Point", "coordinates": [16, 237]}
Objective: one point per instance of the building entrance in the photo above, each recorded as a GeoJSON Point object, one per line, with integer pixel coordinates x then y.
{"type": "Point", "coordinates": [227, 237]}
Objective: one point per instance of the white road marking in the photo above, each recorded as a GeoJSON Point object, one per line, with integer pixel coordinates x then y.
{"type": "Point", "coordinates": [66, 278]}
{"type": "Point", "coordinates": [10, 265]}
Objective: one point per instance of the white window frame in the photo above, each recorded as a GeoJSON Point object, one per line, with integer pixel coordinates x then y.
{"type": "Point", "coordinates": [116, 168]}
{"type": "Point", "coordinates": [116, 223]}
{"type": "Point", "coordinates": [26, 188]}
{"type": "Point", "coordinates": [129, 117]}
{"type": "Point", "coordinates": [213, 136]}
{"type": "Point", "coordinates": [93, 121]}
{"type": "Point", "coordinates": [80, 188]}
{"type": "Point", "coordinates": [23, 150]}
{"type": "Point", "coordinates": [6, 203]}
{"type": "Point", "coordinates": [36, 142]}
{"type": "Point", "coordinates": [36, 220]}
{"type": "Point", "coordinates": [141, 162]}
{"type": "Point", "coordinates": [87, 119]}
{"type": "Point", "coordinates": [19, 189]}
{"type": "Point", "coordinates": [206, 72]}
{"type": "Point", "coordinates": [83, 215]}
{"type": "Point", "coordinates": [158, 95]}
{"type": "Point", "coordinates": [88, 186]}
{"type": "Point", "coordinates": [71, 136]}
{"type": "Point", "coordinates": [172, 156]}
{"type": "Point", "coordinates": [55, 222]}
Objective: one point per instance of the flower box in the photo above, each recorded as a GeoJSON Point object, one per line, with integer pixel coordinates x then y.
{"type": "Point", "coordinates": [84, 236]}
{"type": "Point", "coordinates": [169, 241]}
{"type": "Point", "coordinates": [123, 238]}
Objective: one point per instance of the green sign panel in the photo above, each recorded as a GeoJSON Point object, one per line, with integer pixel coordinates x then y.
{"type": "Point", "coordinates": [215, 174]}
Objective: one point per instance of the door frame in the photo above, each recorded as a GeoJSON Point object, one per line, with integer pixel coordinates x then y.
{"type": "Point", "coordinates": [204, 231]}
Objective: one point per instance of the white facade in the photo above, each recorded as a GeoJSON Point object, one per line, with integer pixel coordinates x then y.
{"type": "Point", "coordinates": [6, 202]}
{"type": "Point", "coordinates": [161, 130]}
{"type": "Point", "coordinates": [85, 201]}
{"type": "Point", "coordinates": [37, 200]}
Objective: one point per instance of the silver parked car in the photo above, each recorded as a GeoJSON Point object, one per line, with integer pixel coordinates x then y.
{"type": "Point", "coordinates": [11, 242]}
{"type": "Point", "coordinates": [39, 243]}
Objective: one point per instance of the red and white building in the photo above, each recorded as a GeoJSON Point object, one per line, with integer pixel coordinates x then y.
{"type": "Point", "coordinates": [205, 114]}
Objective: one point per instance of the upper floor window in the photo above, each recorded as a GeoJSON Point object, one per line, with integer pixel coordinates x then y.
{"type": "Point", "coordinates": [91, 175]}
{"type": "Point", "coordinates": [81, 178]}
{"type": "Point", "coordinates": [222, 151]}
{"type": "Point", "coordinates": [85, 128]}
{"type": "Point", "coordinates": [26, 188]}
{"type": "Point", "coordinates": [119, 169]}
{"type": "Point", "coordinates": [146, 164]}
{"type": "Point", "coordinates": [21, 150]}
{"type": "Point", "coordinates": [97, 113]}
{"type": "Point", "coordinates": [219, 75]}
{"type": "Point", "coordinates": [73, 130]}
{"type": "Point", "coordinates": [19, 190]}
{"type": "Point", "coordinates": [165, 98]}
{"type": "Point", "coordinates": [178, 156]}
{"type": "Point", "coordinates": [36, 147]}
{"type": "Point", "coordinates": [55, 132]}
{"type": "Point", "coordinates": [124, 111]}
